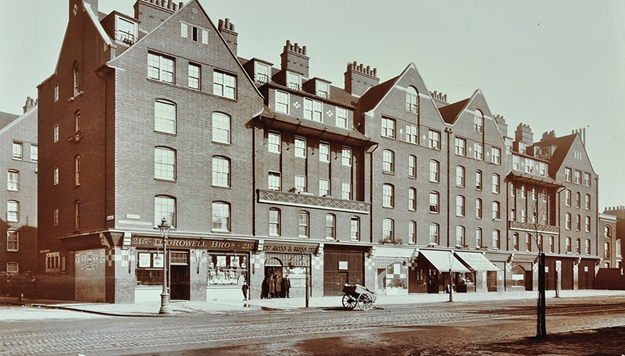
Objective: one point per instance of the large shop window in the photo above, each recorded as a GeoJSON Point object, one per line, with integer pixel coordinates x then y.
{"type": "Point", "coordinates": [150, 265]}
{"type": "Point", "coordinates": [226, 269]}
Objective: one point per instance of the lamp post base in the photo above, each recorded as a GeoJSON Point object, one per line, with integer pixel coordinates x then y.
{"type": "Point", "coordinates": [164, 304]}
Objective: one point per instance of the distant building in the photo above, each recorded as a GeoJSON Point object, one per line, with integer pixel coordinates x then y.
{"type": "Point", "coordinates": [611, 236]}
{"type": "Point", "coordinates": [266, 171]}
{"type": "Point", "coordinates": [18, 221]}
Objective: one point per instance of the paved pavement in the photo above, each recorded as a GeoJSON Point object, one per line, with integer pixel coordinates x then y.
{"type": "Point", "coordinates": [37, 309]}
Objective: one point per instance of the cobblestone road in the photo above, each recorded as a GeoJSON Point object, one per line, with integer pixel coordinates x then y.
{"type": "Point", "coordinates": [123, 335]}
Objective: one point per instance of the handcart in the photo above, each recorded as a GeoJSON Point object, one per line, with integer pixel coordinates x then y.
{"type": "Point", "coordinates": [358, 295]}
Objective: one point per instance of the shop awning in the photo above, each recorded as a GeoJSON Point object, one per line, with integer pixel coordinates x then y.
{"type": "Point", "coordinates": [444, 261]}
{"type": "Point", "coordinates": [384, 256]}
{"type": "Point", "coordinates": [477, 261]}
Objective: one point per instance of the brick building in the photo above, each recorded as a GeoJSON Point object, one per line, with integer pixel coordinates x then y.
{"type": "Point", "coordinates": [18, 222]}
{"type": "Point", "coordinates": [265, 171]}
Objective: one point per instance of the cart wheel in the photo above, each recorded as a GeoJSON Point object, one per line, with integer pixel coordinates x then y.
{"type": "Point", "coordinates": [349, 302]}
{"type": "Point", "coordinates": [365, 302]}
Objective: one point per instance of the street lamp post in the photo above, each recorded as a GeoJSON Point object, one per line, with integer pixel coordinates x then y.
{"type": "Point", "coordinates": [164, 227]}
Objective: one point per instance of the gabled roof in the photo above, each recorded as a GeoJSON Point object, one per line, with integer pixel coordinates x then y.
{"type": "Point", "coordinates": [6, 118]}
{"type": "Point", "coordinates": [374, 95]}
{"type": "Point", "coordinates": [174, 15]}
{"type": "Point", "coordinates": [451, 112]}
{"type": "Point", "coordinates": [563, 145]}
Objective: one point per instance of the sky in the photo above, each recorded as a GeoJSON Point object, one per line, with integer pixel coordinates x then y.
{"type": "Point", "coordinates": [554, 65]}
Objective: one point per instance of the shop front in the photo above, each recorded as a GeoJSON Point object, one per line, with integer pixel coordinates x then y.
{"type": "Point", "coordinates": [392, 269]}
{"type": "Point", "coordinates": [498, 281]}
{"type": "Point", "coordinates": [287, 270]}
{"type": "Point", "coordinates": [435, 270]}
{"type": "Point", "coordinates": [199, 269]}
{"type": "Point", "coordinates": [480, 266]}
{"type": "Point", "coordinates": [522, 277]}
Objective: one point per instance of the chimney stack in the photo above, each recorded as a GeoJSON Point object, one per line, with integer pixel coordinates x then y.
{"type": "Point", "coordinates": [294, 58]}
{"type": "Point", "coordinates": [227, 32]}
{"type": "Point", "coordinates": [358, 78]}
{"type": "Point", "coordinates": [30, 103]}
{"type": "Point", "coordinates": [152, 13]}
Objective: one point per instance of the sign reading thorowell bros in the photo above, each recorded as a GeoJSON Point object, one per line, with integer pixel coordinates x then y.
{"type": "Point", "coordinates": [194, 243]}
{"type": "Point", "coordinates": [225, 245]}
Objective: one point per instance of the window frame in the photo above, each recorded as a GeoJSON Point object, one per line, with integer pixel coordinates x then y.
{"type": "Point", "coordinates": [219, 219]}
{"type": "Point", "coordinates": [225, 85]}
{"type": "Point", "coordinates": [164, 121]}
{"type": "Point", "coordinates": [221, 171]}
{"type": "Point", "coordinates": [161, 68]}
{"type": "Point", "coordinates": [165, 169]}
{"type": "Point", "coordinates": [388, 127]}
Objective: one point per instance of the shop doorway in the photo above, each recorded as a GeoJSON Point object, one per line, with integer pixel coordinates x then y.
{"type": "Point", "coordinates": [433, 284]}
{"type": "Point", "coordinates": [179, 276]}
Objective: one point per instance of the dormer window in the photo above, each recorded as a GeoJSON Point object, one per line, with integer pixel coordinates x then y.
{"type": "Point", "coordinates": [261, 73]}
{"type": "Point", "coordinates": [293, 81]}
{"type": "Point", "coordinates": [125, 31]}
{"type": "Point", "coordinates": [323, 89]}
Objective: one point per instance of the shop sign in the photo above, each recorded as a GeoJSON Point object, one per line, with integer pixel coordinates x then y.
{"type": "Point", "coordinates": [284, 248]}
{"type": "Point", "coordinates": [521, 258]}
{"type": "Point", "coordinates": [205, 244]}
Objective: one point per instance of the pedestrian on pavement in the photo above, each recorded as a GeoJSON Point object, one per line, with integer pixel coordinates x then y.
{"type": "Point", "coordinates": [272, 286]}
{"type": "Point", "coordinates": [286, 285]}
{"type": "Point", "coordinates": [244, 286]}
{"type": "Point", "coordinates": [278, 281]}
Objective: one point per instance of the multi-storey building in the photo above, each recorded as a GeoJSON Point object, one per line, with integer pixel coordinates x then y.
{"type": "Point", "coordinates": [611, 233]}
{"type": "Point", "coordinates": [267, 171]}
{"type": "Point", "coordinates": [18, 222]}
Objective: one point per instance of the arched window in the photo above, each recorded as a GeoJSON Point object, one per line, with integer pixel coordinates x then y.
{"type": "Point", "coordinates": [330, 226]}
{"type": "Point", "coordinates": [388, 161]}
{"type": "Point", "coordinates": [274, 222]}
{"type": "Point", "coordinates": [221, 216]}
{"type": "Point", "coordinates": [412, 232]}
{"type": "Point", "coordinates": [460, 178]}
{"type": "Point", "coordinates": [165, 116]}
{"type": "Point", "coordinates": [221, 171]}
{"type": "Point", "coordinates": [412, 166]}
{"type": "Point", "coordinates": [412, 199]}
{"type": "Point", "coordinates": [164, 163]}
{"type": "Point", "coordinates": [434, 171]}
{"type": "Point", "coordinates": [164, 207]}
{"type": "Point", "coordinates": [460, 236]}
{"type": "Point", "coordinates": [434, 202]}
{"type": "Point", "coordinates": [13, 180]}
{"type": "Point", "coordinates": [388, 229]}
{"type": "Point", "coordinates": [388, 195]}
{"type": "Point", "coordinates": [496, 239]}
{"type": "Point", "coordinates": [221, 128]}
{"type": "Point", "coordinates": [411, 100]}
{"type": "Point", "coordinates": [13, 211]}
{"type": "Point", "coordinates": [355, 228]}
{"type": "Point", "coordinates": [478, 237]}
{"type": "Point", "coordinates": [478, 208]}
{"type": "Point", "coordinates": [303, 223]}
{"type": "Point", "coordinates": [460, 206]}
{"type": "Point", "coordinates": [434, 234]}
{"type": "Point", "coordinates": [478, 121]}
{"type": "Point", "coordinates": [496, 211]}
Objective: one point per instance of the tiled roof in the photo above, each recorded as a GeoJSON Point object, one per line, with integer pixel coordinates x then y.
{"type": "Point", "coordinates": [372, 97]}
{"type": "Point", "coordinates": [563, 145]}
{"type": "Point", "coordinates": [451, 112]}
{"type": "Point", "coordinates": [6, 118]}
